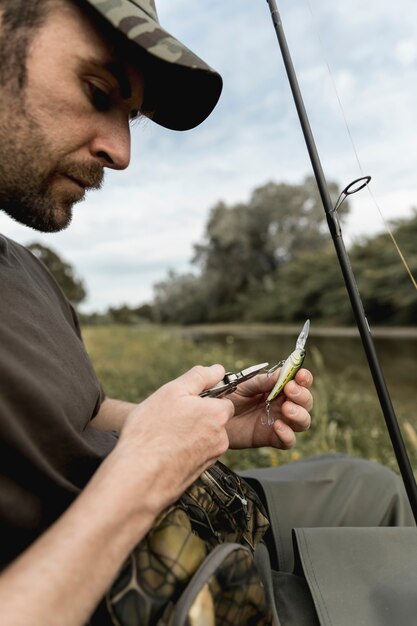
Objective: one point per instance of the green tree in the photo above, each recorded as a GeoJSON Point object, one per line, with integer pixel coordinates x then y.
{"type": "Point", "coordinates": [62, 271]}
{"type": "Point", "coordinates": [125, 314]}
{"type": "Point", "coordinates": [180, 299]}
{"type": "Point", "coordinates": [311, 285]}
{"type": "Point", "coordinates": [383, 282]}
{"type": "Point", "coordinates": [244, 248]}
{"type": "Point", "coordinates": [277, 223]}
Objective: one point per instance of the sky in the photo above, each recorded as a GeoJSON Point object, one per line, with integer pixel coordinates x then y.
{"type": "Point", "coordinates": [361, 56]}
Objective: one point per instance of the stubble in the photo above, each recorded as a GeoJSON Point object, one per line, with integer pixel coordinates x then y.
{"type": "Point", "coordinates": [35, 180]}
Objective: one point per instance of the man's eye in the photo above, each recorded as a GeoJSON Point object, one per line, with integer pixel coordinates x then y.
{"type": "Point", "coordinates": [102, 101]}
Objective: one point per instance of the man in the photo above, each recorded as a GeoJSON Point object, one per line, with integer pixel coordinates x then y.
{"type": "Point", "coordinates": [74, 498]}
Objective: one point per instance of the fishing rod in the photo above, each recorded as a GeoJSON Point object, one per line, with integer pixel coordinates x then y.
{"type": "Point", "coordinates": [343, 258]}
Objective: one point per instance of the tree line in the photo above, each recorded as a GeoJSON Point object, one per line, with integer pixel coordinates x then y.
{"type": "Point", "coordinates": [271, 259]}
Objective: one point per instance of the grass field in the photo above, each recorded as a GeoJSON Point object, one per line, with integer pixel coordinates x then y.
{"type": "Point", "coordinates": [133, 361]}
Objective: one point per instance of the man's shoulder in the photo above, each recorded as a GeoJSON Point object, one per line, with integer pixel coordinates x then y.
{"type": "Point", "coordinates": [23, 267]}
{"type": "Point", "coordinates": [25, 278]}
{"type": "Point", "coordinates": [10, 248]}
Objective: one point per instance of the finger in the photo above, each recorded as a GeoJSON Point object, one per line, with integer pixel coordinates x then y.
{"type": "Point", "coordinates": [262, 383]}
{"type": "Point", "coordinates": [220, 409]}
{"type": "Point", "coordinates": [304, 378]}
{"type": "Point", "coordinates": [284, 434]}
{"type": "Point", "coordinates": [229, 407]}
{"type": "Point", "coordinates": [299, 395]}
{"type": "Point", "coordinates": [295, 416]}
{"type": "Point", "coordinates": [199, 378]}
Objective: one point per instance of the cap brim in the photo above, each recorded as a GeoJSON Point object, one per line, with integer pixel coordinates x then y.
{"type": "Point", "coordinates": [181, 90]}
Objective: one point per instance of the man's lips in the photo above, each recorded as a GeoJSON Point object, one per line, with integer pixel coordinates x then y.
{"type": "Point", "coordinates": [85, 176]}
{"type": "Point", "coordinates": [80, 183]}
{"type": "Point", "coordinates": [86, 182]}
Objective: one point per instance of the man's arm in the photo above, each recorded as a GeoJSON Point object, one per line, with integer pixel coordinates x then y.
{"type": "Point", "coordinates": [61, 578]}
{"type": "Point", "coordinates": [112, 414]}
{"type": "Point", "coordinates": [167, 441]}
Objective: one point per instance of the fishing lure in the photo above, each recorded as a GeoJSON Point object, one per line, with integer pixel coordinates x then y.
{"type": "Point", "coordinates": [288, 370]}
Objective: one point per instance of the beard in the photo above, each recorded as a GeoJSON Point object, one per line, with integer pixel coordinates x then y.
{"type": "Point", "coordinates": [39, 187]}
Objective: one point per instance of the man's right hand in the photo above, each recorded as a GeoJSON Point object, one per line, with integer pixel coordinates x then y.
{"type": "Point", "coordinates": [170, 438]}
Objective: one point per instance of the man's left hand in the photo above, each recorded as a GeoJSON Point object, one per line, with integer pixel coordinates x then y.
{"type": "Point", "coordinates": [291, 412]}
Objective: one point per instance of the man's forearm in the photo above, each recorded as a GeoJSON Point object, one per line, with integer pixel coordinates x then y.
{"type": "Point", "coordinates": [61, 578]}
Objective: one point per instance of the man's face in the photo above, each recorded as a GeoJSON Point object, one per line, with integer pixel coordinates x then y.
{"type": "Point", "coordinates": [69, 122]}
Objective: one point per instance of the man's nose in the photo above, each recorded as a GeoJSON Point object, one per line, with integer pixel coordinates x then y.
{"type": "Point", "coordinates": [111, 144]}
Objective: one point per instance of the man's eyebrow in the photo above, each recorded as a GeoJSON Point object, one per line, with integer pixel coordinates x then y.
{"type": "Point", "coordinates": [117, 70]}
{"type": "Point", "coordinates": [119, 73]}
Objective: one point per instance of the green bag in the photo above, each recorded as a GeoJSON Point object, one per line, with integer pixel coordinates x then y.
{"type": "Point", "coordinates": [196, 565]}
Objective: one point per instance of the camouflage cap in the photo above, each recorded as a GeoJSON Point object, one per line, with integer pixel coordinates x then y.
{"type": "Point", "coordinates": [181, 90]}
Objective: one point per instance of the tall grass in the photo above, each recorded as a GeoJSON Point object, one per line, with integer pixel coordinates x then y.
{"type": "Point", "coordinates": [133, 361]}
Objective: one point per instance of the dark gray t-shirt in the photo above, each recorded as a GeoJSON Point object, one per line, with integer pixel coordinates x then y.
{"type": "Point", "coordinates": [48, 395]}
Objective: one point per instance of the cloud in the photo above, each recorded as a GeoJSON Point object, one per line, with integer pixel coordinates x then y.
{"type": "Point", "coordinates": [406, 52]}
